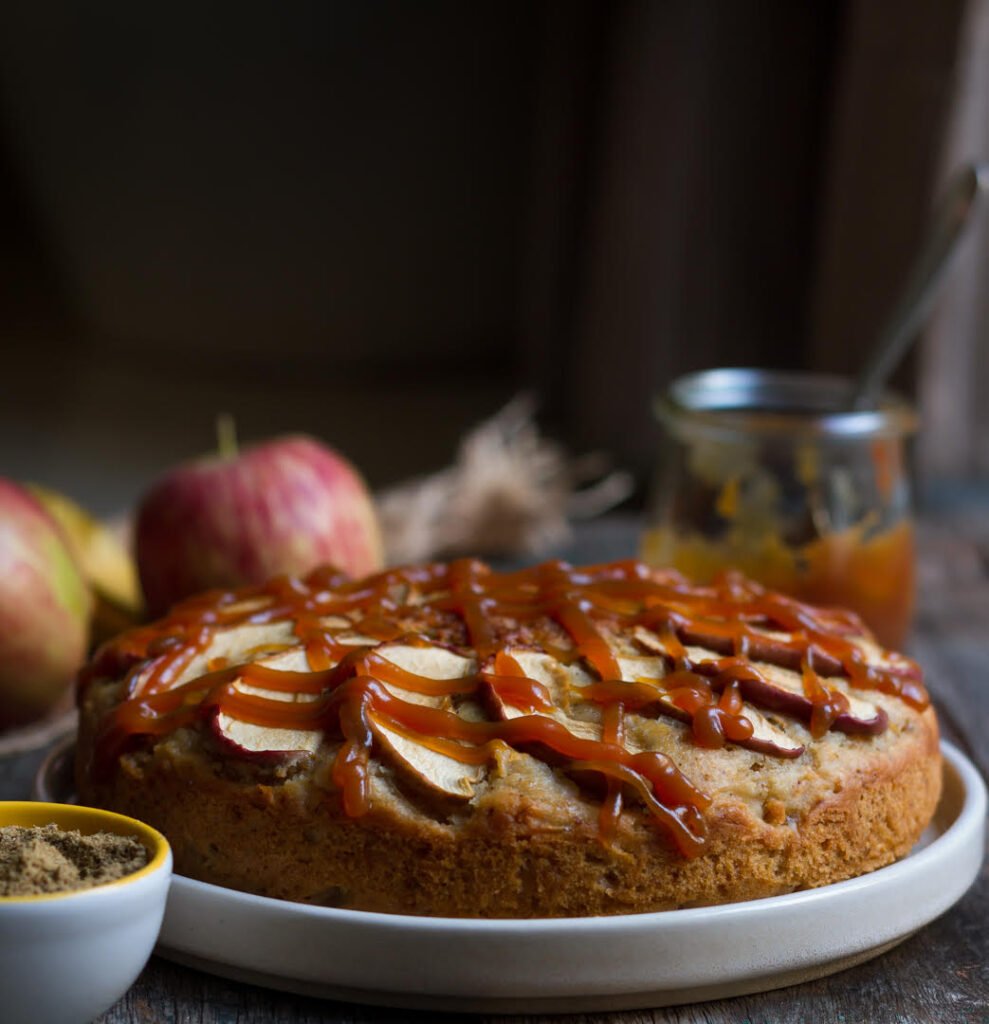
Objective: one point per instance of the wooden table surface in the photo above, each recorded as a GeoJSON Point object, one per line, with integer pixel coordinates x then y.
{"type": "Point", "coordinates": [941, 974]}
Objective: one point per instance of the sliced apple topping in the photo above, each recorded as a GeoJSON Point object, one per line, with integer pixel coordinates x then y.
{"type": "Point", "coordinates": [650, 641]}
{"type": "Point", "coordinates": [765, 737]}
{"type": "Point", "coordinates": [781, 689]}
{"type": "Point", "coordinates": [428, 660]}
{"type": "Point", "coordinates": [355, 640]}
{"type": "Point", "coordinates": [225, 645]}
{"type": "Point", "coordinates": [264, 740]}
{"type": "Point", "coordinates": [559, 681]}
{"type": "Point", "coordinates": [436, 772]}
{"type": "Point", "coordinates": [564, 683]}
{"type": "Point", "coordinates": [248, 738]}
{"type": "Point", "coordinates": [862, 715]}
{"type": "Point", "coordinates": [334, 622]}
{"type": "Point", "coordinates": [246, 606]}
{"type": "Point", "coordinates": [642, 668]}
{"type": "Point", "coordinates": [425, 661]}
{"type": "Point", "coordinates": [414, 759]}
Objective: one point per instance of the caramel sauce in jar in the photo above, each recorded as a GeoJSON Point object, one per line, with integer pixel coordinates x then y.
{"type": "Point", "coordinates": [763, 473]}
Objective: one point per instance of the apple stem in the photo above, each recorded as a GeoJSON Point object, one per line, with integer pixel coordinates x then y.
{"type": "Point", "coordinates": [226, 436]}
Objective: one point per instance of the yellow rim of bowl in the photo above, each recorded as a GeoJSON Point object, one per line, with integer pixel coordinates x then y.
{"type": "Point", "coordinates": [31, 813]}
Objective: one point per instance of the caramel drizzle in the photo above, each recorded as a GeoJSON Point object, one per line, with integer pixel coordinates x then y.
{"type": "Point", "coordinates": [349, 685]}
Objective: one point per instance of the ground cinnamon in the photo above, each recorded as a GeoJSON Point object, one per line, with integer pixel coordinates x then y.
{"type": "Point", "coordinates": [46, 859]}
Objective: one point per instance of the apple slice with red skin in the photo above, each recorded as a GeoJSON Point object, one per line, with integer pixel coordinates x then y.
{"type": "Point", "coordinates": [766, 738]}
{"type": "Point", "coordinates": [263, 743]}
{"type": "Point", "coordinates": [429, 770]}
{"type": "Point", "coordinates": [437, 773]}
{"type": "Point", "coordinates": [772, 649]}
{"type": "Point", "coordinates": [234, 643]}
{"type": "Point", "coordinates": [544, 669]}
{"type": "Point", "coordinates": [773, 691]}
{"type": "Point", "coordinates": [431, 661]}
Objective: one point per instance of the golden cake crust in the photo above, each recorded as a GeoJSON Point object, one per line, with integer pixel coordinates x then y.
{"type": "Point", "coordinates": [525, 836]}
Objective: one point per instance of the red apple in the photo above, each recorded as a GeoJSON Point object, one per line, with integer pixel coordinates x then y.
{"type": "Point", "coordinates": [285, 506]}
{"type": "Point", "coordinates": [44, 609]}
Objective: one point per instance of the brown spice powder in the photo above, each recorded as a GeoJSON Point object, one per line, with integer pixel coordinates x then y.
{"type": "Point", "coordinates": [46, 859]}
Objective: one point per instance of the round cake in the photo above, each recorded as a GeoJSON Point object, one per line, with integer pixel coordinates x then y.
{"type": "Point", "coordinates": [558, 741]}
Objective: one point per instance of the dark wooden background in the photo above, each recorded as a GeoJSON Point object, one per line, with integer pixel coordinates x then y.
{"type": "Point", "coordinates": [315, 210]}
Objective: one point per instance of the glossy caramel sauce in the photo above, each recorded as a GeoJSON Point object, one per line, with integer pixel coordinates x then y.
{"type": "Point", "coordinates": [572, 614]}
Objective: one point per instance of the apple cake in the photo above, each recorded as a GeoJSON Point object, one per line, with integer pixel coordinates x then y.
{"type": "Point", "coordinates": [558, 741]}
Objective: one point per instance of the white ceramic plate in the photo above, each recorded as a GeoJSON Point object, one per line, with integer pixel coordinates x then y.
{"type": "Point", "coordinates": [574, 964]}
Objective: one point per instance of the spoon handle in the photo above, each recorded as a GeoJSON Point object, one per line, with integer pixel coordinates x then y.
{"type": "Point", "coordinates": [923, 283]}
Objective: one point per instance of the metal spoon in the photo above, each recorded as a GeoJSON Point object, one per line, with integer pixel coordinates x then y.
{"type": "Point", "coordinates": [926, 276]}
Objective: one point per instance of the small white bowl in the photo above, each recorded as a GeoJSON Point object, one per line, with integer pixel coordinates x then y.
{"type": "Point", "coordinates": [67, 957]}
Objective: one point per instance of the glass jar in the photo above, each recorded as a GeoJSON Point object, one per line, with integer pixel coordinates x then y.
{"type": "Point", "coordinates": [764, 472]}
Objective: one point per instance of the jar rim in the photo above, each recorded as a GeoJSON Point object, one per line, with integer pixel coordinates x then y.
{"type": "Point", "coordinates": [776, 402]}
